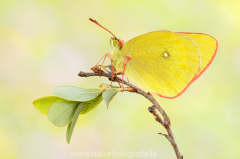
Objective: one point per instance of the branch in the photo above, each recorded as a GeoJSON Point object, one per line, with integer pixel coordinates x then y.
{"type": "Point", "coordinates": [165, 121]}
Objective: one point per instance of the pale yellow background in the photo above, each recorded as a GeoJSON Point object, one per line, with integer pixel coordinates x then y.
{"type": "Point", "coordinates": [45, 43]}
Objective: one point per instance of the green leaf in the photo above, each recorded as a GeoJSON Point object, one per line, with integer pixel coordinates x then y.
{"type": "Point", "coordinates": [61, 113]}
{"type": "Point", "coordinates": [90, 105]}
{"type": "Point", "coordinates": [43, 104]}
{"type": "Point", "coordinates": [72, 124]}
{"type": "Point", "coordinates": [108, 95]}
{"type": "Point", "coordinates": [75, 93]}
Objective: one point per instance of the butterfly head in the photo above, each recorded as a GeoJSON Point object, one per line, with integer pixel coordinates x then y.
{"type": "Point", "coordinates": [114, 42]}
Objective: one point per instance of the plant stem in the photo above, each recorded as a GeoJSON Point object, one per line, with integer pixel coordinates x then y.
{"type": "Point", "coordinates": [165, 121]}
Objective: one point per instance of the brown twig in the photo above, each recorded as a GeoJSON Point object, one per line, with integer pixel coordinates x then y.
{"type": "Point", "coordinates": [165, 121]}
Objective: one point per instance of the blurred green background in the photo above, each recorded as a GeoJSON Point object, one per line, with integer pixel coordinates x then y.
{"type": "Point", "coordinates": [45, 43]}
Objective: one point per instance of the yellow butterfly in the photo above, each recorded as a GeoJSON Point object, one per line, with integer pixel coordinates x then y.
{"type": "Point", "coordinates": [164, 62]}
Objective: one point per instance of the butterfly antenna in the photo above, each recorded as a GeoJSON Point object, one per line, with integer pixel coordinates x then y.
{"type": "Point", "coordinates": [94, 21]}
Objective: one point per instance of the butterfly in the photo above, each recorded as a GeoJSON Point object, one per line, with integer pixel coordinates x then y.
{"type": "Point", "coordinates": [163, 62]}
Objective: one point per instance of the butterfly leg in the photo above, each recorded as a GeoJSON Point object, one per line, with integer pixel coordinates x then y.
{"type": "Point", "coordinates": [98, 61]}
{"type": "Point", "coordinates": [102, 66]}
{"type": "Point", "coordinates": [124, 64]}
{"type": "Point", "coordinates": [105, 68]}
{"type": "Point", "coordinates": [105, 55]}
{"type": "Point", "coordinates": [112, 72]}
{"type": "Point", "coordinates": [128, 80]}
{"type": "Point", "coordinates": [103, 61]}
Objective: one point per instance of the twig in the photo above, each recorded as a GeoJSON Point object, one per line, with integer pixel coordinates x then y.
{"type": "Point", "coordinates": [165, 121]}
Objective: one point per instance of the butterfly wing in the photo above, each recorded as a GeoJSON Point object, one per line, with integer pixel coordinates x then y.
{"type": "Point", "coordinates": [208, 47]}
{"type": "Point", "coordinates": [163, 62]}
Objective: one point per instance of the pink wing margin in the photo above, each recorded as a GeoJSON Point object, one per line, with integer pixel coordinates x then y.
{"type": "Point", "coordinates": [196, 76]}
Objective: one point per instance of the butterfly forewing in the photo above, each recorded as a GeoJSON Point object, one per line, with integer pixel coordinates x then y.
{"type": "Point", "coordinates": [163, 62]}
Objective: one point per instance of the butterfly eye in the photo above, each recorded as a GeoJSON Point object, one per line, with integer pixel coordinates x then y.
{"type": "Point", "coordinates": [114, 43]}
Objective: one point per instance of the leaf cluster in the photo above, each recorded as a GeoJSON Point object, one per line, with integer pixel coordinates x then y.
{"type": "Point", "coordinates": [70, 102]}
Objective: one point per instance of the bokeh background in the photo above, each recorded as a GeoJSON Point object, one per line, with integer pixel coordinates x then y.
{"type": "Point", "coordinates": [45, 43]}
